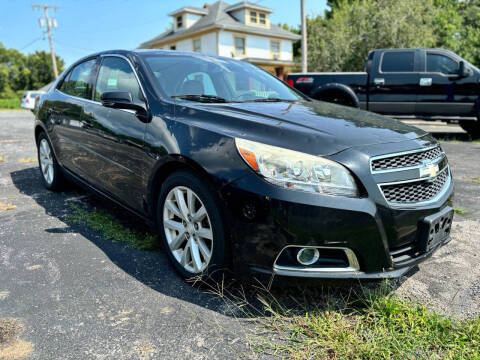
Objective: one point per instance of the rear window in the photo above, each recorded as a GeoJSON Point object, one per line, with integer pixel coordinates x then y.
{"type": "Point", "coordinates": [79, 81]}
{"type": "Point", "coordinates": [398, 61]}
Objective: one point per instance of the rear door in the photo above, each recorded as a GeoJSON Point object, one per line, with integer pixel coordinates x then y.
{"type": "Point", "coordinates": [394, 82]}
{"type": "Point", "coordinates": [442, 92]}
{"type": "Point", "coordinates": [116, 136]}
{"type": "Point", "coordinates": [67, 110]}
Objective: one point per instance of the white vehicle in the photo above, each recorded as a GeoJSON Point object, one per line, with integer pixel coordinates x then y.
{"type": "Point", "coordinates": [29, 97]}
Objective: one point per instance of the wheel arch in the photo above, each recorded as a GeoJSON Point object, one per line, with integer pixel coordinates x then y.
{"type": "Point", "coordinates": [163, 169]}
{"type": "Point", "coordinates": [336, 87]}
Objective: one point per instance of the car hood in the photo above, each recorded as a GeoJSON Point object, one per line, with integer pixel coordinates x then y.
{"type": "Point", "coordinates": [314, 127]}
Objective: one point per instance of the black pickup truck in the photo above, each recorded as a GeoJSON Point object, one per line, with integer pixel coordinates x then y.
{"type": "Point", "coordinates": [431, 84]}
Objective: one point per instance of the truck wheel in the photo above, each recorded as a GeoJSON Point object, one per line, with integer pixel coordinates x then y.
{"type": "Point", "coordinates": [472, 127]}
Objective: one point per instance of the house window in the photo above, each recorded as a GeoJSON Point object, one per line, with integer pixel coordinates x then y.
{"type": "Point", "coordinates": [197, 45]}
{"type": "Point", "coordinates": [173, 47]}
{"type": "Point", "coordinates": [263, 19]}
{"type": "Point", "coordinates": [275, 48]}
{"type": "Point", "coordinates": [253, 17]}
{"type": "Point", "coordinates": [179, 22]}
{"type": "Point", "coordinates": [239, 45]}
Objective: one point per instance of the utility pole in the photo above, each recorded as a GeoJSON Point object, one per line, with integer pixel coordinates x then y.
{"type": "Point", "coordinates": [304, 36]}
{"type": "Point", "coordinates": [49, 23]}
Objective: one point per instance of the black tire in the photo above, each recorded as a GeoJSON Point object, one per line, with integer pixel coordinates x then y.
{"type": "Point", "coordinates": [337, 97]}
{"type": "Point", "coordinates": [58, 181]}
{"type": "Point", "coordinates": [472, 127]}
{"type": "Point", "coordinates": [219, 259]}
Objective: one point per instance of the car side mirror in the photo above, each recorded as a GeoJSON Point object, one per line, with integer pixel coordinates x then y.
{"type": "Point", "coordinates": [123, 100]}
{"type": "Point", "coordinates": [463, 70]}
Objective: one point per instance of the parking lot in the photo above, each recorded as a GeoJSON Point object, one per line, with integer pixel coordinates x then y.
{"type": "Point", "coordinates": [79, 295]}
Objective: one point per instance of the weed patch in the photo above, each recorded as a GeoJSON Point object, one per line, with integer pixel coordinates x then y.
{"type": "Point", "coordinates": [106, 224]}
{"type": "Point", "coordinates": [374, 327]}
{"type": "Point", "coordinates": [460, 211]}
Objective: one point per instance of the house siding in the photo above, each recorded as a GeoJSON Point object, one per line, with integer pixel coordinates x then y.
{"type": "Point", "coordinates": [257, 46]}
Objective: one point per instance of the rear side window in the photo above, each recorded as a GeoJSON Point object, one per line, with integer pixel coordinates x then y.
{"type": "Point", "coordinates": [117, 74]}
{"type": "Point", "coordinates": [398, 61]}
{"type": "Point", "coordinates": [79, 82]}
{"type": "Point", "coordinates": [441, 64]}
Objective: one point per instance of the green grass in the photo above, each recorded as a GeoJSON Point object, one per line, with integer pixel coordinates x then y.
{"type": "Point", "coordinates": [476, 180]}
{"type": "Point", "coordinates": [460, 211]}
{"type": "Point", "coordinates": [375, 327]}
{"type": "Point", "coordinates": [13, 103]}
{"type": "Point", "coordinates": [111, 228]}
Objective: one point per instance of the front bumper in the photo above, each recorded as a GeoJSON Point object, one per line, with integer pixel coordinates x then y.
{"type": "Point", "coordinates": [264, 219]}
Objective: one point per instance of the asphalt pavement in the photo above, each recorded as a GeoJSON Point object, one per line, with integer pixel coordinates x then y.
{"type": "Point", "coordinates": [80, 296]}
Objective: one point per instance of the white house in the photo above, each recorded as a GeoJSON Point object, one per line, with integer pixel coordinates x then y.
{"type": "Point", "coordinates": [242, 31]}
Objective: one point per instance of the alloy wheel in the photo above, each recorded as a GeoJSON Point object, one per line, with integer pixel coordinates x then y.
{"type": "Point", "coordinates": [188, 229]}
{"type": "Point", "coordinates": [46, 161]}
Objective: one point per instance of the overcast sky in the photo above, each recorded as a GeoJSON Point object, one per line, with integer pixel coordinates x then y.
{"type": "Point", "coordinates": [87, 26]}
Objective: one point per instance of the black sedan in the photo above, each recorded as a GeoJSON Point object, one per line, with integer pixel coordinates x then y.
{"type": "Point", "coordinates": [238, 170]}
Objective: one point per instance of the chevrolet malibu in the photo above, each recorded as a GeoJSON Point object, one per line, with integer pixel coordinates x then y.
{"type": "Point", "coordinates": [240, 171]}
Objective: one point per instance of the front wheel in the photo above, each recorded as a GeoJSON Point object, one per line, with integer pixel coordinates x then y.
{"type": "Point", "coordinates": [472, 127]}
{"type": "Point", "coordinates": [191, 227]}
{"type": "Point", "coordinates": [51, 173]}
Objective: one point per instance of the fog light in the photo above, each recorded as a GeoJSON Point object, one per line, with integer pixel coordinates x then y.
{"type": "Point", "coordinates": [308, 256]}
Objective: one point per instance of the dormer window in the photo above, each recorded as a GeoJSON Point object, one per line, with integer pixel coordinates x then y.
{"type": "Point", "coordinates": [179, 22]}
{"type": "Point", "coordinates": [262, 19]}
{"type": "Point", "coordinates": [255, 17]}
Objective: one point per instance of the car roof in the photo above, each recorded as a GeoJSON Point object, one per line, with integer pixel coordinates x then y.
{"type": "Point", "coordinates": [152, 52]}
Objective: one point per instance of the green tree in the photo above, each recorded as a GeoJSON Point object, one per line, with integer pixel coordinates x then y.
{"type": "Point", "coordinates": [342, 40]}
{"type": "Point", "coordinates": [19, 72]}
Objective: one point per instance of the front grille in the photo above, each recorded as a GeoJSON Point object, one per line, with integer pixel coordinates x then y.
{"type": "Point", "coordinates": [406, 160]}
{"type": "Point", "coordinates": [415, 191]}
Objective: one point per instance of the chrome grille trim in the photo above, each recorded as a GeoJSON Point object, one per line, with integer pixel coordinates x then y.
{"type": "Point", "coordinates": [410, 159]}
{"type": "Point", "coordinates": [442, 188]}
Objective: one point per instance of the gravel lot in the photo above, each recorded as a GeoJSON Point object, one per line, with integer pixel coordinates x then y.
{"type": "Point", "coordinates": [81, 296]}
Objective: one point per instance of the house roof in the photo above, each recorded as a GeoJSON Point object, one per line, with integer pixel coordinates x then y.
{"type": "Point", "coordinates": [189, 9]}
{"type": "Point", "coordinates": [219, 18]}
{"type": "Point", "coordinates": [247, 4]}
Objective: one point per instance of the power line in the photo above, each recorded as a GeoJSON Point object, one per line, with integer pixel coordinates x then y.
{"type": "Point", "coordinates": [49, 23]}
{"type": "Point", "coordinates": [30, 43]}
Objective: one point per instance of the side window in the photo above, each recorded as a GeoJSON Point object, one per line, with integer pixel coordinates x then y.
{"type": "Point", "coordinates": [441, 64]}
{"type": "Point", "coordinates": [117, 74]}
{"type": "Point", "coordinates": [398, 61]}
{"type": "Point", "coordinates": [79, 81]}
{"type": "Point", "coordinates": [196, 84]}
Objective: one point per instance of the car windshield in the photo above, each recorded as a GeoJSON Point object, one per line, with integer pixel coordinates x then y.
{"type": "Point", "coordinates": [208, 79]}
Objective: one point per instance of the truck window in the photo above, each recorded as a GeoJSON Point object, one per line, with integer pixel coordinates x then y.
{"type": "Point", "coordinates": [441, 64]}
{"type": "Point", "coordinates": [398, 61]}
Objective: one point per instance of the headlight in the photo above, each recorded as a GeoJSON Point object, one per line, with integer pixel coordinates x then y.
{"type": "Point", "coordinates": [296, 170]}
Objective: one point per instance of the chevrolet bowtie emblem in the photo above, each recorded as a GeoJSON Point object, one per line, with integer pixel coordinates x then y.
{"type": "Point", "coordinates": [429, 170]}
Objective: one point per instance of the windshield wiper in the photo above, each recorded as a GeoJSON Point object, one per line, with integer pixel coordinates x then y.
{"type": "Point", "coordinates": [201, 98]}
{"type": "Point", "coordinates": [272, 99]}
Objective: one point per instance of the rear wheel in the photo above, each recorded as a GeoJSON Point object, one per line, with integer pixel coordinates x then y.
{"type": "Point", "coordinates": [472, 127]}
{"type": "Point", "coordinates": [51, 173]}
{"type": "Point", "coordinates": [191, 227]}
{"type": "Point", "coordinates": [337, 97]}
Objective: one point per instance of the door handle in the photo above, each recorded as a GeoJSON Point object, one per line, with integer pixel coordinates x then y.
{"type": "Point", "coordinates": [425, 81]}
{"type": "Point", "coordinates": [379, 81]}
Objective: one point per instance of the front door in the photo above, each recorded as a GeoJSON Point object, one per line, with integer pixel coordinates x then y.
{"type": "Point", "coordinates": [393, 85]}
{"type": "Point", "coordinates": [442, 92]}
{"type": "Point", "coordinates": [117, 136]}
